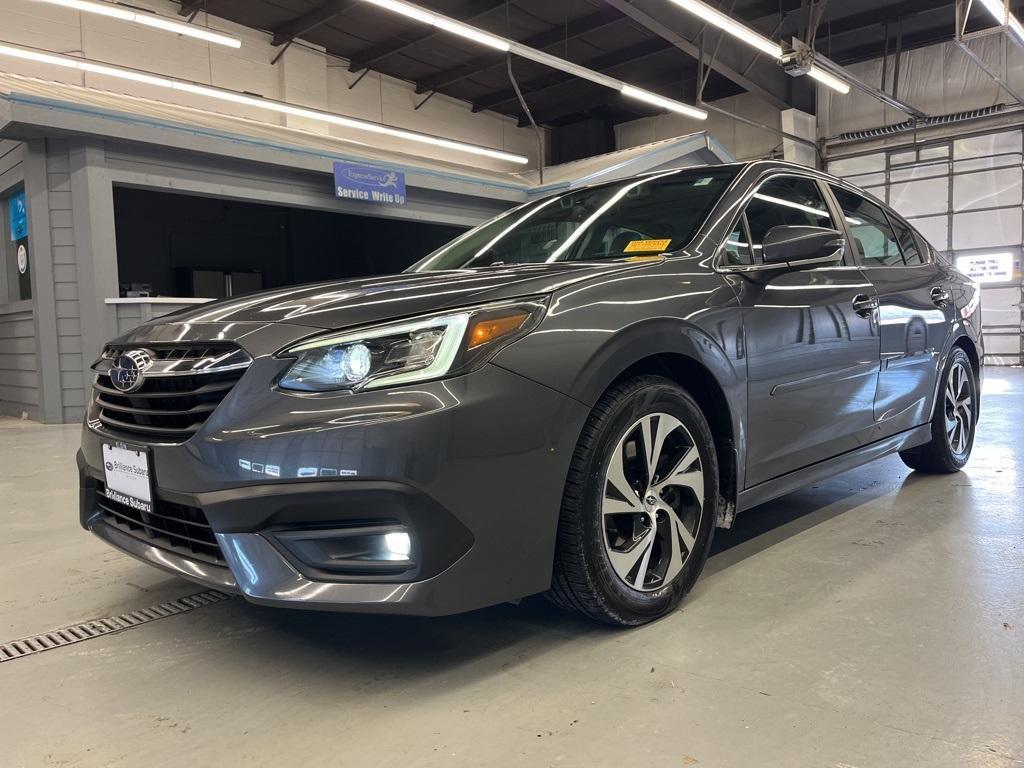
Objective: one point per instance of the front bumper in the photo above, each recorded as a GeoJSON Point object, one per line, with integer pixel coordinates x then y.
{"type": "Point", "coordinates": [473, 466]}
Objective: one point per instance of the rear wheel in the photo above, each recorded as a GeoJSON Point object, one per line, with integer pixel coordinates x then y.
{"type": "Point", "coordinates": [953, 421]}
{"type": "Point", "coordinates": [639, 505]}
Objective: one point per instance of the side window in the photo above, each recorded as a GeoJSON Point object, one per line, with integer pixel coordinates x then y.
{"type": "Point", "coordinates": [737, 249]}
{"type": "Point", "coordinates": [870, 229]}
{"type": "Point", "coordinates": [912, 255]}
{"type": "Point", "coordinates": [785, 200]}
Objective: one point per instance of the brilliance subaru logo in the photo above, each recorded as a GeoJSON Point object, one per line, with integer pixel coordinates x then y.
{"type": "Point", "coordinates": [128, 371]}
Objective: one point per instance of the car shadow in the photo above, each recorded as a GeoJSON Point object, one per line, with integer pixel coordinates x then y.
{"type": "Point", "coordinates": [368, 649]}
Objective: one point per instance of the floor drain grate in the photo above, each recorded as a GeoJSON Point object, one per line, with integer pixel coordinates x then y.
{"type": "Point", "coordinates": [58, 638]}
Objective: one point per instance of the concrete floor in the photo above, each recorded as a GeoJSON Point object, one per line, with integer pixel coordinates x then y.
{"type": "Point", "coordinates": [873, 620]}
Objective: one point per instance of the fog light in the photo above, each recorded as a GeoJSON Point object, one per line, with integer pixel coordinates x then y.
{"type": "Point", "coordinates": [398, 545]}
{"type": "Point", "coordinates": [385, 548]}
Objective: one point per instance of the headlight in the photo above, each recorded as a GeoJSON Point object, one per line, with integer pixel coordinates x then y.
{"type": "Point", "coordinates": [414, 350]}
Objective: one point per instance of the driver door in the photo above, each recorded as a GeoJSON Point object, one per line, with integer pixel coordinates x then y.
{"type": "Point", "coordinates": [811, 342]}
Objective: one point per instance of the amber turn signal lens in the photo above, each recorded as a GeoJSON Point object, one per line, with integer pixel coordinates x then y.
{"type": "Point", "coordinates": [485, 330]}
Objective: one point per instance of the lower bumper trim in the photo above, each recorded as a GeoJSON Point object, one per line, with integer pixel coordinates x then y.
{"type": "Point", "coordinates": [194, 570]}
{"type": "Point", "coordinates": [267, 578]}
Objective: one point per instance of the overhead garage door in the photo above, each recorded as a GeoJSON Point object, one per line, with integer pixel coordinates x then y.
{"type": "Point", "coordinates": [965, 196]}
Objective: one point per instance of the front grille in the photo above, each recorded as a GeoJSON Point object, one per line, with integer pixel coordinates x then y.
{"type": "Point", "coordinates": [179, 392]}
{"type": "Point", "coordinates": [181, 529]}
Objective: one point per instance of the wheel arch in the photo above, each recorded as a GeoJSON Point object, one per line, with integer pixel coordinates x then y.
{"type": "Point", "coordinates": [698, 380]}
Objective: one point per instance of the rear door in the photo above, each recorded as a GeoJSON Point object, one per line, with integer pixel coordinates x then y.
{"type": "Point", "coordinates": [914, 310]}
{"type": "Point", "coordinates": [811, 346]}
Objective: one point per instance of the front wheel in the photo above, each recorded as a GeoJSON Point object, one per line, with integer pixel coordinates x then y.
{"type": "Point", "coordinates": [639, 506]}
{"type": "Point", "coordinates": [954, 421]}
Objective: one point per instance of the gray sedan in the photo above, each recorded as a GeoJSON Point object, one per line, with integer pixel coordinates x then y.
{"type": "Point", "coordinates": [567, 399]}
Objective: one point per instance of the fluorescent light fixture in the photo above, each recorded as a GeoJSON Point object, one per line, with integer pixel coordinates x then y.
{"type": "Point", "coordinates": [445, 23]}
{"type": "Point", "coordinates": [148, 20]}
{"type": "Point", "coordinates": [472, 33]}
{"type": "Point", "coordinates": [1003, 15]}
{"type": "Point", "coordinates": [505, 45]}
{"type": "Point", "coordinates": [827, 78]}
{"type": "Point", "coordinates": [731, 27]}
{"type": "Point", "coordinates": [125, 74]}
{"type": "Point", "coordinates": [405, 9]}
{"type": "Point", "coordinates": [258, 102]}
{"type": "Point", "coordinates": [661, 101]}
{"type": "Point", "coordinates": [742, 32]}
{"type": "Point", "coordinates": [44, 58]}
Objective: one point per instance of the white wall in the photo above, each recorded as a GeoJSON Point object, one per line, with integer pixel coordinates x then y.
{"type": "Point", "coordinates": [304, 75]}
{"type": "Point", "coordinates": [745, 142]}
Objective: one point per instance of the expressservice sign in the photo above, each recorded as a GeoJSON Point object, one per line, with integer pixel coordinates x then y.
{"type": "Point", "coordinates": [988, 267]}
{"type": "Point", "coordinates": [371, 185]}
{"type": "Point", "coordinates": [17, 208]}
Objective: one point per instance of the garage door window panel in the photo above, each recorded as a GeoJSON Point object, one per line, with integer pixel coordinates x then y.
{"type": "Point", "coordinates": [988, 189]}
{"type": "Point", "coordinates": [984, 229]}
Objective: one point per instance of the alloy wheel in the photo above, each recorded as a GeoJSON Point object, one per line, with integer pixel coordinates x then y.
{"type": "Point", "coordinates": [959, 408]}
{"type": "Point", "coordinates": [652, 502]}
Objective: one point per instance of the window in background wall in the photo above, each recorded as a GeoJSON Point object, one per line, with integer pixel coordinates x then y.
{"type": "Point", "coordinates": [17, 277]}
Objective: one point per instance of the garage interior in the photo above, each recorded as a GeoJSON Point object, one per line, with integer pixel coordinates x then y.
{"type": "Point", "coordinates": [188, 246]}
{"type": "Point", "coordinates": [872, 619]}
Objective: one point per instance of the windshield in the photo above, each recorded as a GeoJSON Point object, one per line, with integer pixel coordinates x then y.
{"type": "Point", "coordinates": [648, 215]}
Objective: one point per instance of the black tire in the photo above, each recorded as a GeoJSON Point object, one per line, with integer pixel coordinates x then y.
{"type": "Point", "coordinates": [584, 579]}
{"type": "Point", "coordinates": [938, 456]}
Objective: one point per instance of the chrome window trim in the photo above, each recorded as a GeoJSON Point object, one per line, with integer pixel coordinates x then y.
{"type": "Point", "coordinates": [825, 260]}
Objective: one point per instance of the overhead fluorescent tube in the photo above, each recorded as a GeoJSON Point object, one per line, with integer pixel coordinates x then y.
{"type": "Point", "coordinates": [149, 20]}
{"type": "Point", "coordinates": [730, 26]}
{"type": "Point", "coordinates": [827, 78]}
{"type": "Point", "coordinates": [756, 40]}
{"type": "Point", "coordinates": [1003, 15]}
{"type": "Point", "coordinates": [123, 73]}
{"type": "Point", "coordinates": [477, 35]}
{"type": "Point", "coordinates": [661, 101]}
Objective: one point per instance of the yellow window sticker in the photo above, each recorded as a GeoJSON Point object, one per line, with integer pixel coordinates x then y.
{"type": "Point", "coordinates": [644, 246]}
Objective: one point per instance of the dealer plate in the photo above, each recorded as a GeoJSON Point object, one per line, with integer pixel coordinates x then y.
{"type": "Point", "coordinates": [128, 476]}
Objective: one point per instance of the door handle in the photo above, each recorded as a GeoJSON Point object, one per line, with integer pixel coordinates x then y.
{"type": "Point", "coordinates": [939, 295]}
{"type": "Point", "coordinates": [865, 305]}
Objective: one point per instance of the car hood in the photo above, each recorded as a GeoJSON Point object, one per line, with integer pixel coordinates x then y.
{"type": "Point", "coordinates": [349, 303]}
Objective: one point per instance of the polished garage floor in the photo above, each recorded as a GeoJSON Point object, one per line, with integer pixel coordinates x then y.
{"type": "Point", "coordinates": [874, 620]}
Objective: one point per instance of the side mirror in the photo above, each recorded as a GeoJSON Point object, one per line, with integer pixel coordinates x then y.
{"type": "Point", "coordinates": [798, 247]}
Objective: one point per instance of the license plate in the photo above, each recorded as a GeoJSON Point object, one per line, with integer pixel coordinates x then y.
{"type": "Point", "coordinates": [128, 477]}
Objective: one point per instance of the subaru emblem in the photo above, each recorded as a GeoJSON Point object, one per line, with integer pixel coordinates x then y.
{"type": "Point", "coordinates": [127, 374]}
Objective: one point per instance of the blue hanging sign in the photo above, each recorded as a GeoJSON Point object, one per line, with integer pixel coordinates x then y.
{"type": "Point", "coordinates": [371, 185]}
{"type": "Point", "coordinates": [17, 209]}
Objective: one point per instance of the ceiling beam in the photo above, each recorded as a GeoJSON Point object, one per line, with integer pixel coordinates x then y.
{"type": "Point", "coordinates": [856, 22]}
{"type": "Point", "coordinates": [582, 104]}
{"type": "Point", "coordinates": [733, 61]}
{"type": "Point", "coordinates": [307, 22]}
{"type": "Point", "coordinates": [470, 11]}
{"type": "Point", "coordinates": [600, 19]}
{"type": "Point", "coordinates": [876, 49]}
{"type": "Point", "coordinates": [603, 63]}
{"type": "Point", "coordinates": [188, 7]}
